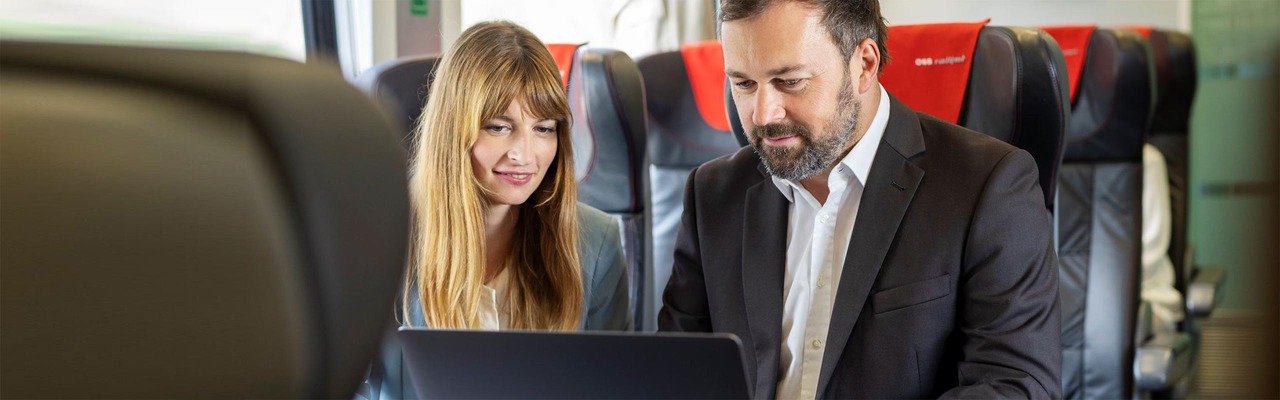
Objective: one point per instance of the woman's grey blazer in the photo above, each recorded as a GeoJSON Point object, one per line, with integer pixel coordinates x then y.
{"type": "Point", "coordinates": [606, 303]}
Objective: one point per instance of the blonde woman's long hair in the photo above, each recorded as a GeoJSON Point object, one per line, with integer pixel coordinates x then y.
{"type": "Point", "coordinates": [491, 64]}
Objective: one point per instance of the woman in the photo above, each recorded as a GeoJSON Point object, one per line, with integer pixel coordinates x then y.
{"type": "Point", "coordinates": [499, 240]}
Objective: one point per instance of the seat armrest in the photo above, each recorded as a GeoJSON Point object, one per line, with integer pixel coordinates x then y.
{"type": "Point", "coordinates": [1204, 290]}
{"type": "Point", "coordinates": [1162, 361]}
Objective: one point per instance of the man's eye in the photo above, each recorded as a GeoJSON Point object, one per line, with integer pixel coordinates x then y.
{"type": "Point", "coordinates": [745, 85]}
{"type": "Point", "coordinates": [790, 82]}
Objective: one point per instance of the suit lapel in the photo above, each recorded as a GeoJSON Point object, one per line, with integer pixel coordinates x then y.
{"type": "Point", "coordinates": [887, 194]}
{"type": "Point", "coordinates": [764, 258]}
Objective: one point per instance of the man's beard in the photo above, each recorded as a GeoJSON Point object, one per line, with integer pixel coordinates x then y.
{"type": "Point", "coordinates": [813, 155]}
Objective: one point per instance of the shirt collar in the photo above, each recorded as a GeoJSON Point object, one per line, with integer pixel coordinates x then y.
{"type": "Point", "coordinates": [859, 159]}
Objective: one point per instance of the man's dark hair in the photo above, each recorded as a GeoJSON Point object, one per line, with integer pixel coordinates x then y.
{"type": "Point", "coordinates": [848, 21]}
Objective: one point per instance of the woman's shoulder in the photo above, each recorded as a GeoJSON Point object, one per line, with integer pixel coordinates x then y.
{"type": "Point", "coordinates": [595, 224]}
{"type": "Point", "coordinates": [598, 236]}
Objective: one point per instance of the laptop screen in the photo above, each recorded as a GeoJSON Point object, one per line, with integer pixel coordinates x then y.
{"type": "Point", "coordinates": [457, 364]}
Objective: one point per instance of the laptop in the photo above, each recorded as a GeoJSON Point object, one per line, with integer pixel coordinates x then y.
{"type": "Point", "coordinates": [457, 364]}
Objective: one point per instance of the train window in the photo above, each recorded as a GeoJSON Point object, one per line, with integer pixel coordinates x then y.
{"type": "Point", "coordinates": [638, 27]}
{"type": "Point", "coordinates": [272, 27]}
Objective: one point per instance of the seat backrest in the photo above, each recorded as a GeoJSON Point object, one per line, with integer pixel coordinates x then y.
{"type": "Point", "coordinates": [401, 85]}
{"type": "Point", "coordinates": [192, 223]}
{"type": "Point", "coordinates": [606, 97]}
{"type": "Point", "coordinates": [1175, 61]}
{"type": "Point", "coordinates": [687, 127]}
{"type": "Point", "coordinates": [1014, 88]}
{"type": "Point", "coordinates": [1100, 208]}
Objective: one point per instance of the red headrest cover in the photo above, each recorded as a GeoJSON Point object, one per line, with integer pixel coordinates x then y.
{"type": "Point", "coordinates": [1144, 30]}
{"type": "Point", "coordinates": [563, 53]}
{"type": "Point", "coordinates": [930, 68]}
{"type": "Point", "coordinates": [704, 62]}
{"type": "Point", "coordinates": [1074, 41]}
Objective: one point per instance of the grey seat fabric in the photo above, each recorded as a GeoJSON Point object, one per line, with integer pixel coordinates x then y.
{"type": "Point", "coordinates": [192, 223]}
{"type": "Point", "coordinates": [1100, 208]}
{"type": "Point", "coordinates": [606, 96]}
{"type": "Point", "coordinates": [679, 140]}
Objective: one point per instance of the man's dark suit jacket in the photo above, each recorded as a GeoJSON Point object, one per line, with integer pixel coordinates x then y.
{"type": "Point", "coordinates": [950, 286]}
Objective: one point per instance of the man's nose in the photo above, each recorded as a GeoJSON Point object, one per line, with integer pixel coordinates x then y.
{"type": "Point", "coordinates": [768, 107]}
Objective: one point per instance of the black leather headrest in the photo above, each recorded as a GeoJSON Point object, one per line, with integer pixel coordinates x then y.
{"type": "Point", "coordinates": [1175, 61]}
{"type": "Point", "coordinates": [1112, 108]}
{"type": "Point", "coordinates": [402, 86]}
{"type": "Point", "coordinates": [679, 136]}
{"type": "Point", "coordinates": [1017, 92]}
{"type": "Point", "coordinates": [193, 223]}
{"type": "Point", "coordinates": [606, 96]}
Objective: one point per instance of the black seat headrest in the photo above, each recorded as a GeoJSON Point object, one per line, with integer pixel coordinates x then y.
{"type": "Point", "coordinates": [1175, 61]}
{"type": "Point", "coordinates": [402, 86]}
{"type": "Point", "coordinates": [1112, 107]}
{"type": "Point", "coordinates": [1028, 111]}
{"type": "Point", "coordinates": [679, 134]}
{"type": "Point", "coordinates": [606, 96]}
{"type": "Point", "coordinates": [192, 223]}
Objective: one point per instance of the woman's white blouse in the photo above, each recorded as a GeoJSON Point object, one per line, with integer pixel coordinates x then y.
{"type": "Point", "coordinates": [494, 314]}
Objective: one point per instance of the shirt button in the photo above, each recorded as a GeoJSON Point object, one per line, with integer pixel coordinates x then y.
{"type": "Point", "coordinates": [817, 344]}
{"type": "Point", "coordinates": [825, 218]}
{"type": "Point", "coordinates": [821, 282]}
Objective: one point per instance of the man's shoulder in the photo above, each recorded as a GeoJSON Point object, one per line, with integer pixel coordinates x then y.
{"type": "Point", "coordinates": [740, 169]}
{"type": "Point", "coordinates": [958, 149]}
{"type": "Point", "coordinates": [938, 132]}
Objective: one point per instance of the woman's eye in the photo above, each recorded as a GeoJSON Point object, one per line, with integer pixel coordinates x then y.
{"type": "Point", "coordinates": [545, 130]}
{"type": "Point", "coordinates": [497, 128]}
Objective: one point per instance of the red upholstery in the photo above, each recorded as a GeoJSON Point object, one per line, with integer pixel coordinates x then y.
{"type": "Point", "coordinates": [563, 53]}
{"type": "Point", "coordinates": [930, 68]}
{"type": "Point", "coordinates": [704, 62]}
{"type": "Point", "coordinates": [1144, 30]}
{"type": "Point", "coordinates": [1074, 41]}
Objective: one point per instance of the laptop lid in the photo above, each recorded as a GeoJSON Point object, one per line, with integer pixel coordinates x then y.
{"type": "Point", "coordinates": [457, 364]}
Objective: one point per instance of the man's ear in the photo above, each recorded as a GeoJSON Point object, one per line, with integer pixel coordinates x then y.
{"type": "Point", "coordinates": [866, 60]}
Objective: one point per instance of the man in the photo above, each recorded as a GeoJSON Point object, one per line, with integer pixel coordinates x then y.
{"type": "Point", "coordinates": [864, 250]}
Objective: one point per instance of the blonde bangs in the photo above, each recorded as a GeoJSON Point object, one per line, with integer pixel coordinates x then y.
{"type": "Point", "coordinates": [491, 65]}
{"type": "Point", "coordinates": [525, 80]}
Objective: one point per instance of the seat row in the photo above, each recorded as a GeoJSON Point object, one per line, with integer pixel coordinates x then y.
{"type": "Point", "coordinates": [1079, 99]}
{"type": "Point", "coordinates": [258, 206]}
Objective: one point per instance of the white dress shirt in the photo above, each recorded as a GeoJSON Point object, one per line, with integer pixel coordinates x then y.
{"type": "Point", "coordinates": [493, 314]}
{"type": "Point", "coordinates": [817, 242]}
